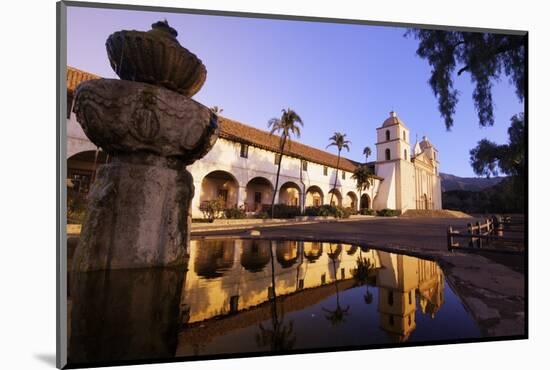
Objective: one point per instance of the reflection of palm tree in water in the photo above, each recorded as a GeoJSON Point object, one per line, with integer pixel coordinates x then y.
{"type": "Point", "coordinates": [361, 275]}
{"type": "Point", "coordinates": [338, 315]}
{"type": "Point", "coordinates": [281, 336]}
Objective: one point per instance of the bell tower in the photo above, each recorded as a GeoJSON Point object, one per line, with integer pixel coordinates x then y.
{"type": "Point", "coordinates": [392, 140]}
{"type": "Point", "coordinates": [393, 164]}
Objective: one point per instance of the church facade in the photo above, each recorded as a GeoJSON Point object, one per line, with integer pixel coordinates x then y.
{"type": "Point", "coordinates": [411, 178]}
{"type": "Point", "coordinates": [241, 168]}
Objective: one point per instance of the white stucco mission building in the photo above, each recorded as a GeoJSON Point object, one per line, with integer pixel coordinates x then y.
{"type": "Point", "coordinates": [241, 168]}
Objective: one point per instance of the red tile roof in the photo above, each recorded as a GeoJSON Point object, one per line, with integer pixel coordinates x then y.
{"type": "Point", "coordinates": [76, 76]}
{"type": "Point", "coordinates": [236, 131]}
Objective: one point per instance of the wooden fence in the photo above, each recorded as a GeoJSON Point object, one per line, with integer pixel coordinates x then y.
{"type": "Point", "coordinates": [489, 233]}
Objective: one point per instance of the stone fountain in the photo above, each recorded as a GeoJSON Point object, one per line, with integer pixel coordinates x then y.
{"type": "Point", "coordinates": [130, 265]}
{"type": "Point", "coordinates": [139, 205]}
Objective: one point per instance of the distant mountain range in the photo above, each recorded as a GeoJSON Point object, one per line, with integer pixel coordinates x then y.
{"type": "Point", "coordinates": [452, 182]}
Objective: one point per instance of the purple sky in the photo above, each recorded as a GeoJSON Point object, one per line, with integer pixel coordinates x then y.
{"type": "Point", "coordinates": [337, 77]}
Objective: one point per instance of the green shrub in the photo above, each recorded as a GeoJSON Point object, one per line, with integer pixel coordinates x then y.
{"type": "Point", "coordinates": [211, 209]}
{"type": "Point", "coordinates": [235, 213]}
{"type": "Point", "coordinates": [312, 211]}
{"type": "Point", "coordinates": [325, 210]}
{"type": "Point", "coordinates": [386, 212]}
{"type": "Point", "coordinates": [329, 211]}
{"type": "Point", "coordinates": [367, 211]}
{"type": "Point", "coordinates": [347, 211]}
{"type": "Point", "coordinates": [262, 214]}
{"type": "Point", "coordinates": [284, 211]}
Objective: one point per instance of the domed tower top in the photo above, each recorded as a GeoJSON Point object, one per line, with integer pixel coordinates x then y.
{"type": "Point", "coordinates": [393, 120]}
{"type": "Point", "coordinates": [427, 148]}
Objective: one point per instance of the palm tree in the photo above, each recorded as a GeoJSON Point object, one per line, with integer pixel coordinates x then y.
{"type": "Point", "coordinates": [339, 141]}
{"type": "Point", "coordinates": [280, 337]}
{"type": "Point", "coordinates": [216, 109]}
{"type": "Point", "coordinates": [361, 275]}
{"type": "Point", "coordinates": [363, 177]}
{"type": "Point", "coordinates": [338, 315]}
{"type": "Point", "coordinates": [285, 126]}
{"type": "Point", "coordinates": [367, 152]}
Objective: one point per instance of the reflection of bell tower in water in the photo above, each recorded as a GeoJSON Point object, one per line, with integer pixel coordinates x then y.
{"type": "Point", "coordinates": [399, 282]}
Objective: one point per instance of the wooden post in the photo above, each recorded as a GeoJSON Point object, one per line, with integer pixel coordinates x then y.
{"type": "Point", "coordinates": [450, 238]}
{"type": "Point", "coordinates": [489, 231]}
{"type": "Point", "coordinates": [470, 232]}
{"type": "Point", "coordinates": [478, 227]}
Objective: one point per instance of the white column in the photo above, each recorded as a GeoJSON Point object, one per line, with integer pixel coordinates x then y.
{"type": "Point", "coordinates": [195, 203]}
{"type": "Point", "coordinates": [241, 196]}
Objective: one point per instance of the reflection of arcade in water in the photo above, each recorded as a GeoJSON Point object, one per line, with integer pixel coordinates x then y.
{"type": "Point", "coordinates": [229, 276]}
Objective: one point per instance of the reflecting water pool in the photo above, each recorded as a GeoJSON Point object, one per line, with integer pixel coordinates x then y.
{"type": "Point", "coordinates": [243, 296]}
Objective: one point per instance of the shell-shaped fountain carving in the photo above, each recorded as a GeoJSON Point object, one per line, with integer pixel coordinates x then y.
{"type": "Point", "coordinates": [156, 57]}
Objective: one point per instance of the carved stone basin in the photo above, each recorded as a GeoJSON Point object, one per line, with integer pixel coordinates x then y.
{"type": "Point", "coordinates": [156, 57]}
{"type": "Point", "coordinates": [126, 117]}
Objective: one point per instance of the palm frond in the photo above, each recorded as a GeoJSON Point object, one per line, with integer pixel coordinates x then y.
{"type": "Point", "coordinates": [296, 131]}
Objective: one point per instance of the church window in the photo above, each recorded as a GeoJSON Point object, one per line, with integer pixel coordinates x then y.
{"type": "Point", "coordinates": [277, 158]}
{"type": "Point", "coordinates": [244, 151]}
{"type": "Point", "coordinates": [325, 170]}
{"type": "Point", "coordinates": [405, 154]}
{"type": "Point", "coordinates": [387, 135]}
{"type": "Point", "coordinates": [343, 175]}
{"type": "Point", "coordinates": [388, 155]}
{"type": "Point", "coordinates": [404, 135]}
{"type": "Point", "coordinates": [304, 165]}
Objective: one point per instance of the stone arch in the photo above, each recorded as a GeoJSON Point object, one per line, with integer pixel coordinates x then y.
{"type": "Point", "coordinates": [259, 193]}
{"type": "Point", "coordinates": [351, 200]}
{"type": "Point", "coordinates": [351, 249]}
{"type": "Point", "coordinates": [82, 167]}
{"type": "Point", "coordinates": [214, 257]}
{"type": "Point", "coordinates": [287, 253]}
{"type": "Point", "coordinates": [314, 196]}
{"type": "Point", "coordinates": [337, 199]}
{"type": "Point", "coordinates": [313, 251]}
{"type": "Point", "coordinates": [289, 194]}
{"type": "Point", "coordinates": [255, 254]}
{"type": "Point", "coordinates": [334, 250]}
{"type": "Point", "coordinates": [365, 201]}
{"type": "Point", "coordinates": [220, 184]}
{"type": "Point", "coordinates": [388, 154]}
